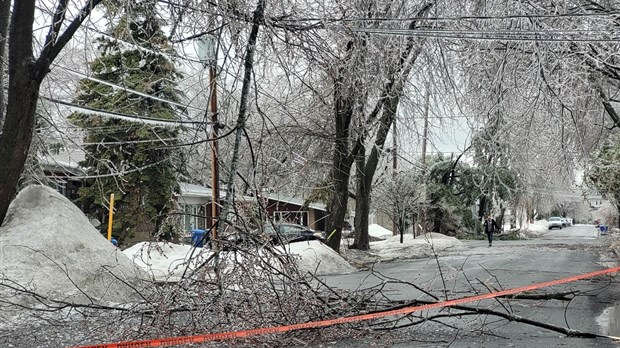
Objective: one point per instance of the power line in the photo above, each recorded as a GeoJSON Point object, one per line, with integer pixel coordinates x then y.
{"type": "Point", "coordinates": [457, 18]}
{"type": "Point", "coordinates": [116, 86]}
{"type": "Point", "coordinates": [280, 19]}
{"type": "Point", "coordinates": [474, 36]}
{"type": "Point", "coordinates": [132, 118]}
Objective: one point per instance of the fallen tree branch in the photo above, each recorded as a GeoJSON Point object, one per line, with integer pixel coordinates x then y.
{"type": "Point", "coordinates": [562, 296]}
{"type": "Point", "coordinates": [508, 316]}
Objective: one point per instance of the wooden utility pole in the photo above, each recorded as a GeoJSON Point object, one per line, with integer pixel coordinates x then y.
{"type": "Point", "coordinates": [215, 169]}
{"type": "Point", "coordinates": [207, 50]}
{"type": "Point", "coordinates": [422, 208]}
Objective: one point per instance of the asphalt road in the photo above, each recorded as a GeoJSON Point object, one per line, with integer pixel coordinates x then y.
{"type": "Point", "coordinates": [554, 255]}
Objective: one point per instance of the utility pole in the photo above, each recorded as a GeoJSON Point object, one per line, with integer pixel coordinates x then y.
{"type": "Point", "coordinates": [208, 53]}
{"type": "Point", "coordinates": [215, 168]}
{"type": "Point", "coordinates": [394, 168]}
{"type": "Point", "coordinates": [422, 209]}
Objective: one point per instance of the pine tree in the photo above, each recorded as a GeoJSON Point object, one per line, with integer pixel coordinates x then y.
{"type": "Point", "coordinates": [130, 159]}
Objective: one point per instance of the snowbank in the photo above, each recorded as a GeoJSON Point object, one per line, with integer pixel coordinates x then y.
{"type": "Point", "coordinates": [49, 247]}
{"type": "Point", "coordinates": [168, 261]}
{"type": "Point", "coordinates": [536, 229]}
{"type": "Point", "coordinates": [377, 231]}
{"type": "Point", "coordinates": [421, 246]}
{"type": "Point", "coordinates": [165, 261]}
{"type": "Point", "coordinates": [316, 256]}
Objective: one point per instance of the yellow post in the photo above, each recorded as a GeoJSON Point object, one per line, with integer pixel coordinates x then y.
{"type": "Point", "coordinates": [110, 218]}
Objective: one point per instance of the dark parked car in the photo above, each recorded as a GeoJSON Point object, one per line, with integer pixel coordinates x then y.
{"type": "Point", "coordinates": [289, 233]}
{"type": "Point", "coordinates": [279, 233]}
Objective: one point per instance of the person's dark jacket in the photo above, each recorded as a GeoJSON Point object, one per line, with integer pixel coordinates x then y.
{"type": "Point", "coordinates": [490, 226]}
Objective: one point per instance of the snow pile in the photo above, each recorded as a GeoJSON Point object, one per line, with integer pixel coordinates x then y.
{"type": "Point", "coordinates": [536, 229]}
{"type": "Point", "coordinates": [49, 247]}
{"type": "Point", "coordinates": [165, 261]}
{"type": "Point", "coordinates": [314, 256]}
{"type": "Point", "coordinates": [421, 246]}
{"type": "Point", "coordinates": [377, 231]}
{"type": "Point", "coordinates": [168, 261]}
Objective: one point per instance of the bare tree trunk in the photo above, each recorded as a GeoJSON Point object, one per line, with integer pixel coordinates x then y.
{"type": "Point", "coordinates": [257, 19]}
{"type": "Point", "coordinates": [482, 207]}
{"type": "Point", "coordinates": [342, 161]}
{"type": "Point", "coordinates": [21, 103]}
{"type": "Point", "coordinates": [389, 103]}
{"type": "Point", "coordinates": [25, 77]}
{"type": "Point", "coordinates": [362, 204]}
{"type": "Point", "coordinates": [5, 13]}
{"type": "Point", "coordinates": [367, 171]}
{"type": "Point", "coordinates": [500, 218]}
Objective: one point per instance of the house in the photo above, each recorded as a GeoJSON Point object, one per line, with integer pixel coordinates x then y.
{"type": "Point", "coordinates": [62, 171]}
{"type": "Point", "coordinates": [281, 208]}
{"type": "Point", "coordinates": [195, 203]}
{"type": "Point", "coordinates": [595, 199]}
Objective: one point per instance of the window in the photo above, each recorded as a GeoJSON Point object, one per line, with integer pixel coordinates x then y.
{"type": "Point", "coordinates": [201, 219]}
{"type": "Point", "coordinates": [194, 217]}
{"type": "Point", "coordinates": [59, 186]}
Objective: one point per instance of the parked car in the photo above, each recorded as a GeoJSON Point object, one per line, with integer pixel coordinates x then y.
{"type": "Point", "coordinates": [555, 222]}
{"type": "Point", "coordinates": [290, 233]}
{"type": "Point", "coordinates": [279, 233]}
{"type": "Point", "coordinates": [564, 222]}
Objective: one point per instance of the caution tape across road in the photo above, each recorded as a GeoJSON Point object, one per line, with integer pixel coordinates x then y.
{"type": "Point", "coordinates": [172, 341]}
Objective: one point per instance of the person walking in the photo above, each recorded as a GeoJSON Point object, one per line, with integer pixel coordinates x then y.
{"type": "Point", "coordinates": [489, 228]}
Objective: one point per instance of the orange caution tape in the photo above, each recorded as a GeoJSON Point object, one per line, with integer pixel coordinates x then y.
{"type": "Point", "coordinates": [172, 341]}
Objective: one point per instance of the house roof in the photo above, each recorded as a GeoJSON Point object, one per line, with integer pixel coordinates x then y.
{"type": "Point", "coordinates": [193, 190]}
{"type": "Point", "coordinates": [65, 161]}
{"type": "Point", "coordinates": [297, 201]}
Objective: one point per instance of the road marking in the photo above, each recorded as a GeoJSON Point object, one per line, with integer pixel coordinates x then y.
{"type": "Point", "coordinates": [172, 341]}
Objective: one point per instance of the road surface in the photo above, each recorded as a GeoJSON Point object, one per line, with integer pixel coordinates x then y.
{"type": "Point", "coordinates": [508, 264]}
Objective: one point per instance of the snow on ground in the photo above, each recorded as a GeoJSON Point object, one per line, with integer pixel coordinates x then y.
{"type": "Point", "coordinates": [391, 248]}
{"type": "Point", "coordinates": [168, 261]}
{"type": "Point", "coordinates": [380, 232]}
{"type": "Point", "coordinates": [47, 245]}
{"type": "Point", "coordinates": [425, 245]}
{"type": "Point", "coordinates": [165, 261]}
{"type": "Point", "coordinates": [536, 229]}
{"type": "Point", "coordinates": [316, 256]}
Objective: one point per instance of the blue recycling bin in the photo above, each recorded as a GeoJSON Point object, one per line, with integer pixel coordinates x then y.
{"type": "Point", "coordinates": [198, 238]}
{"type": "Point", "coordinates": [603, 229]}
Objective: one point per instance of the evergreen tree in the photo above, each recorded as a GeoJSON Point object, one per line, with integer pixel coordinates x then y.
{"type": "Point", "coordinates": [130, 159]}
{"type": "Point", "coordinates": [453, 188]}
{"type": "Point", "coordinates": [604, 173]}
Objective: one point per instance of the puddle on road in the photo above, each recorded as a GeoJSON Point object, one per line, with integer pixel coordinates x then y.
{"type": "Point", "coordinates": [609, 321]}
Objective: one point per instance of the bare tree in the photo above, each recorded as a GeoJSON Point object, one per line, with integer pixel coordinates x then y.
{"type": "Point", "coordinates": [5, 12]}
{"type": "Point", "coordinates": [26, 72]}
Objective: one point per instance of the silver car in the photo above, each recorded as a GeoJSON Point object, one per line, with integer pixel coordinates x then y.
{"type": "Point", "coordinates": [554, 222]}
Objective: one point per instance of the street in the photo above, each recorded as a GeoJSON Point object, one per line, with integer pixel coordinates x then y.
{"type": "Point", "coordinates": [508, 264]}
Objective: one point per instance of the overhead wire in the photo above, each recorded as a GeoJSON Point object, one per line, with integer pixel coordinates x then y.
{"type": "Point", "coordinates": [125, 117]}
{"type": "Point", "coordinates": [462, 35]}
{"type": "Point", "coordinates": [123, 88]}
{"type": "Point", "coordinates": [458, 18]}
